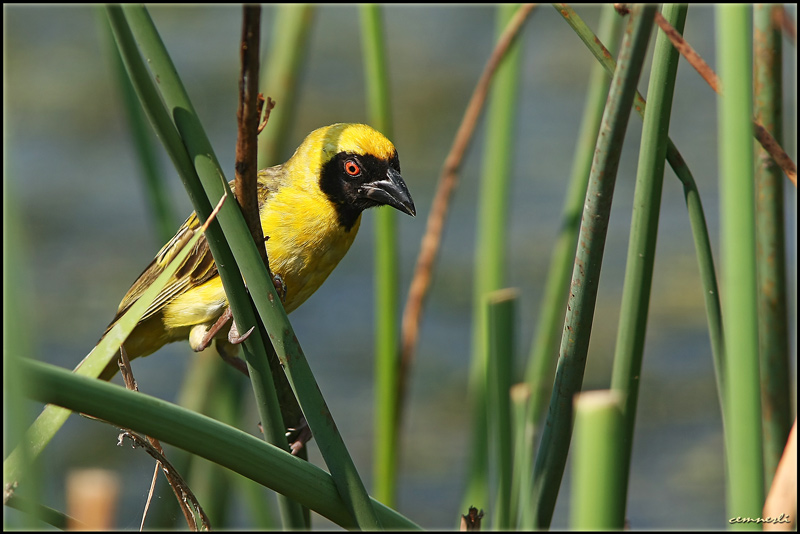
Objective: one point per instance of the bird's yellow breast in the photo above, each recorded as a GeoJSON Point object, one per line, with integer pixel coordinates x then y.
{"type": "Point", "coordinates": [305, 240]}
{"type": "Point", "coordinates": [305, 243]}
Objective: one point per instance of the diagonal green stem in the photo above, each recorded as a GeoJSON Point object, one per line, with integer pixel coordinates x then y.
{"type": "Point", "coordinates": [133, 27]}
{"type": "Point", "coordinates": [552, 457]}
{"type": "Point", "coordinates": [644, 231]}
{"type": "Point", "coordinates": [694, 206]}
{"type": "Point", "coordinates": [200, 435]}
{"type": "Point", "coordinates": [259, 284]}
{"type": "Point", "coordinates": [541, 362]}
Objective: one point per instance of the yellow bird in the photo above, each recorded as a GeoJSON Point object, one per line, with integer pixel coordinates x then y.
{"type": "Point", "coordinates": [310, 210]}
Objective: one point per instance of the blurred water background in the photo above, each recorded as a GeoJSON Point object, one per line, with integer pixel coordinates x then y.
{"type": "Point", "coordinates": [70, 167]}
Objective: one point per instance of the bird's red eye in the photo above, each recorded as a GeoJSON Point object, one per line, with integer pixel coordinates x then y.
{"type": "Point", "coordinates": [352, 168]}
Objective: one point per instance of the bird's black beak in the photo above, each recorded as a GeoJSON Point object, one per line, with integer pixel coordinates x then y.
{"type": "Point", "coordinates": [391, 191]}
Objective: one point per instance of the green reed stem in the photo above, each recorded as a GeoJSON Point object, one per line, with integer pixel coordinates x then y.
{"type": "Point", "coordinates": [644, 232]}
{"type": "Point", "coordinates": [745, 492]}
{"type": "Point", "coordinates": [490, 246]}
{"type": "Point", "coordinates": [552, 457]}
{"type": "Point", "coordinates": [387, 278]}
{"type": "Point", "coordinates": [773, 322]}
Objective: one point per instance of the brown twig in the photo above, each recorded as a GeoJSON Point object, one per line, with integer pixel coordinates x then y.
{"type": "Point", "coordinates": [686, 50]}
{"type": "Point", "coordinates": [768, 143]}
{"type": "Point", "coordinates": [211, 217]}
{"type": "Point", "coordinates": [429, 247]}
{"type": "Point", "coordinates": [782, 20]}
{"type": "Point", "coordinates": [247, 115]}
{"type": "Point", "coordinates": [761, 134]}
{"type": "Point", "coordinates": [182, 491]}
{"type": "Point", "coordinates": [151, 493]}
{"type": "Point", "coordinates": [270, 105]}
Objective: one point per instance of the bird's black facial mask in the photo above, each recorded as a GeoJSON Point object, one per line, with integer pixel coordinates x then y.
{"type": "Point", "coordinates": [355, 182]}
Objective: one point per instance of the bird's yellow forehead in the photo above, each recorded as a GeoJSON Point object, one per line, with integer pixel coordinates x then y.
{"type": "Point", "coordinates": [354, 138]}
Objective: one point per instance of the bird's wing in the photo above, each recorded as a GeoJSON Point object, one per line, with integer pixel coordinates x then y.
{"type": "Point", "coordinates": [199, 265]}
{"type": "Point", "coordinates": [197, 268]}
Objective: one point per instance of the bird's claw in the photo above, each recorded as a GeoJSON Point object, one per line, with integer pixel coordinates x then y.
{"type": "Point", "coordinates": [201, 335]}
{"type": "Point", "coordinates": [280, 286]}
{"type": "Point", "coordinates": [234, 336]}
{"type": "Point", "coordinates": [299, 436]}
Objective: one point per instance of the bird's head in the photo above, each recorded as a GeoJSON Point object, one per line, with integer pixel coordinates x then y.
{"type": "Point", "coordinates": [357, 168]}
